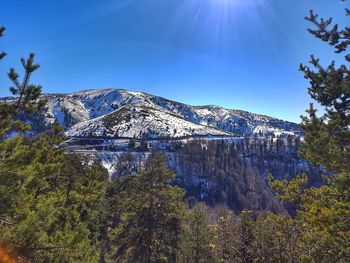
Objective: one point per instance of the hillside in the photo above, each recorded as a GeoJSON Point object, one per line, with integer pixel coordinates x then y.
{"type": "Point", "coordinates": [91, 109]}
{"type": "Point", "coordinates": [138, 121]}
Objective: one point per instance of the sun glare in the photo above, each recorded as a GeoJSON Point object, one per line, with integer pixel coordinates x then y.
{"type": "Point", "coordinates": [228, 2]}
{"type": "Point", "coordinates": [236, 3]}
{"type": "Point", "coordinates": [220, 19]}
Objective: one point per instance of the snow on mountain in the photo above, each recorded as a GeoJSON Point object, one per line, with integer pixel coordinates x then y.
{"type": "Point", "coordinates": [86, 112]}
{"type": "Point", "coordinates": [139, 121]}
{"type": "Point", "coordinates": [65, 109]}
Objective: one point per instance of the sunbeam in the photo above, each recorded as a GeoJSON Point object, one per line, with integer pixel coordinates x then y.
{"type": "Point", "coordinates": [218, 24]}
{"type": "Point", "coordinates": [236, 3]}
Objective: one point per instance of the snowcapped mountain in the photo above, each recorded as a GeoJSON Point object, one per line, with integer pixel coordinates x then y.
{"type": "Point", "coordinates": [211, 148]}
{"type": "Point", "coordinates": [122, 113]}
{"type": "Point", "coordinates": [138, 121]}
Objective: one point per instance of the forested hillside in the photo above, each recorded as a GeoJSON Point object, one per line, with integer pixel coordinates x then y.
{"type": "Point", "coordinates": [232, 172]}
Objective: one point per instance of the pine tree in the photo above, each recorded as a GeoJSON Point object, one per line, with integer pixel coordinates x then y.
{"type": "Point", "coordinates": [324, 212]}
{"type": "Point", "coordinates": [151, 211]}
{"type": "Point", "coordinates": [327, 143]}
{"type": "Point", "coordinates": [27, 96]}
{"type": "Point", "coordinates": [276, 239]}
{"type": "Point", "coordinates": [230, 237]}
{"type": "Point", "coordinates": [50, 201]}
{"type": "Point", "coordinates": [198, 238]}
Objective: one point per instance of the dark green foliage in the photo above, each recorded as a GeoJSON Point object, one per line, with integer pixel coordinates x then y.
{"type": "Point", "coordinates": [327, 138]}
{"type": "Point", "coordinates": [276, 239]}
{"type": "Point", "coordinates": [222, 236]}
{"type": "Point", "coordinates": [197, 239]}
{"type": "Point", "coordinates": [151, 210]}
{"type": "Point", "coordinates": [51, 201]}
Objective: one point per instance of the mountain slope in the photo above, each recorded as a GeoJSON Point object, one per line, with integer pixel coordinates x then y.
{"type": "Point", "coordinates": [85, 107]}
{"type": "Point", "coordinates": [138, 121]}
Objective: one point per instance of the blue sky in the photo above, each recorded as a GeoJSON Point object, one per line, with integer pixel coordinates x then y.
{"type": "Point", "coordinates": [241, 54]}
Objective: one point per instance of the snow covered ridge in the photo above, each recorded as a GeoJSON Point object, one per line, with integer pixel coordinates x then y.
{"type": "Point", "coordinates": [122, 113]}
{"type": "Point", "coordinates": [138, 121]}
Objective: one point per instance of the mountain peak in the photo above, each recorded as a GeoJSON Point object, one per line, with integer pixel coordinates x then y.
{"type": "Point", "coordinates": [84, 110]}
